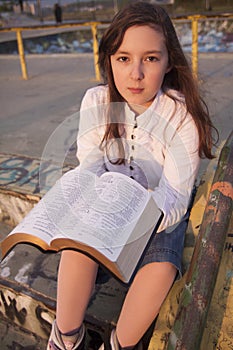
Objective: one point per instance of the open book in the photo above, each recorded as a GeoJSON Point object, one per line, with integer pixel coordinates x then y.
{"type": "Point", "coordinates": [110, 218]}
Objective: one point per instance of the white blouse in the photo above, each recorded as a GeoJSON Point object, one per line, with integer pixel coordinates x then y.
{"type": "Point", "coordinates": [161, 148]}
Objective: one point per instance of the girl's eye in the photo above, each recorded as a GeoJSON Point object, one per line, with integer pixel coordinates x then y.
{"type": "Point", "coordinates": [123, 59]}
{"type": "Point", "coordinates": [152, 59]}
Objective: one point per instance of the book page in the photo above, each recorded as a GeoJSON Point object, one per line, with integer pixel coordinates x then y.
{"type": "Point", "coordinates": [46, 218]}
{"type": "Point", "coordinates": [100, 212]}
{"type": "Point", "coordinates": [107, 212]}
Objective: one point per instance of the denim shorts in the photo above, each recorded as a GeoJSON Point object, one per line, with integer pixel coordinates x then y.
{"type": "Point", "coordinates": [167, 246]}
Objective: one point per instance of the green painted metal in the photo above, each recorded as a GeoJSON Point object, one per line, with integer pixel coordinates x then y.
{"type": "Point", "coordinates": [196, 297]}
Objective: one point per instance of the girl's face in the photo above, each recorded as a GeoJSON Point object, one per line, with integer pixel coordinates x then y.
{"type": "Point", "coordinates": [139, 65]}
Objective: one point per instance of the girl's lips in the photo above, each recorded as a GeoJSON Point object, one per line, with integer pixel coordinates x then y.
{"type": "Point", "coordinates": [135, 90]}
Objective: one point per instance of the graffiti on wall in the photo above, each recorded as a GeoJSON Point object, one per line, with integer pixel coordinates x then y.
{"type": "Point", "coordinates": [26, 312]}
{"type": "Point", "coordinates": [30, 175]}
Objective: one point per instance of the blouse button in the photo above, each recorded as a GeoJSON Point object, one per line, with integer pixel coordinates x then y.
{"type": "Point", "coordinates": [132, 177]}
{"type": "Point", "coordinates": [131, 167]}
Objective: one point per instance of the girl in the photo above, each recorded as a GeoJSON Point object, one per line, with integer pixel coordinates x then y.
{"type": "Point", "coordinates": [156, 131]}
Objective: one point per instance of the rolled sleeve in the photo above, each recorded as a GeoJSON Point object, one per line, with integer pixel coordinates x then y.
{"type": "Point", "coordinates": [91, 131]}
{"type": "Point", "coordinates": [181, 164]}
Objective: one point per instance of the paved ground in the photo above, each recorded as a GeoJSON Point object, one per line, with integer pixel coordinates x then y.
{"type": "Point", "coordinates": [31, 110]}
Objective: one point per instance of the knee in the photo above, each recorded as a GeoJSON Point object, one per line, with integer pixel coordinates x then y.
{"type": "Point", "coordinates": [157, 270]}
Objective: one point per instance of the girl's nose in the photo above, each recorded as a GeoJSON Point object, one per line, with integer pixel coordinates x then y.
{"type": "Point", "coordinates": [137, 72]}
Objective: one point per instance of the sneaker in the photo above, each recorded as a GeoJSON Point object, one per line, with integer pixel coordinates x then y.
{"type": "Point", "coordinates": [113, 342]}
{"type": "Point", "coordinates": [56, 342]}
{"type": "Point", "coordinates": [115, 345]}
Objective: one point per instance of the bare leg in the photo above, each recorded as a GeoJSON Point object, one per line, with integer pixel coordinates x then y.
{"type": "Point", "coordinates": [76, 278]}
{"type": "Point", "coordinates": [143, 301]}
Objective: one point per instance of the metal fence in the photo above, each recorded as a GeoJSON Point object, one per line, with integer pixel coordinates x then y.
{"type": "Point", "coordinates": [94, 25]}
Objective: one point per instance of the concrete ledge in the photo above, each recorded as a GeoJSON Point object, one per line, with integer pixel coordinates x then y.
{"type": "Point", "coordinates": [29, 275]}
{"type": "Point", "coordinates": [28, 297]}
{"type": "Point", "coordinates": [20, 187]}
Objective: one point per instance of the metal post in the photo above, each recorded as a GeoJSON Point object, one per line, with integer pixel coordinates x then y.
{"type": "Point", "coordinates": [207, 5]}
{"type": "Point", "coordinates": [95, 50]}
{"type": "Point", "coordinates": [21, 55]}
{"type": "Point", "coordinates": [194, 20]}
{"type": "Point", "coordinates": [40, 14]}
{"type": "Point", "coordinates": [115, 6]}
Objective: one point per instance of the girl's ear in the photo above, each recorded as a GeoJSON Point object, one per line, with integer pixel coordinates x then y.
{"type": "Point", "coordinates": [169, 67]}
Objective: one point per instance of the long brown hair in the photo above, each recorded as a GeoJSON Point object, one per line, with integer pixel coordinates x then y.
{"type": "Point", "coordinates": [180, 77]}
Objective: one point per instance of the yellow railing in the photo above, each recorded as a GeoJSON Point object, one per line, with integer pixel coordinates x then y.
{"type": "Point", "coordinates": [194, 21]}
{"type": "Point", "coordinates": [94, 28]}
{"type": "Point", "coordinates": [19, 30]}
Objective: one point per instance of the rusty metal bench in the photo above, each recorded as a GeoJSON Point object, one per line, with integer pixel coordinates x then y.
{"type": "Point", "coordinates": [198, 312]}
{"type": "Point", "coordinates": [201, 279]}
